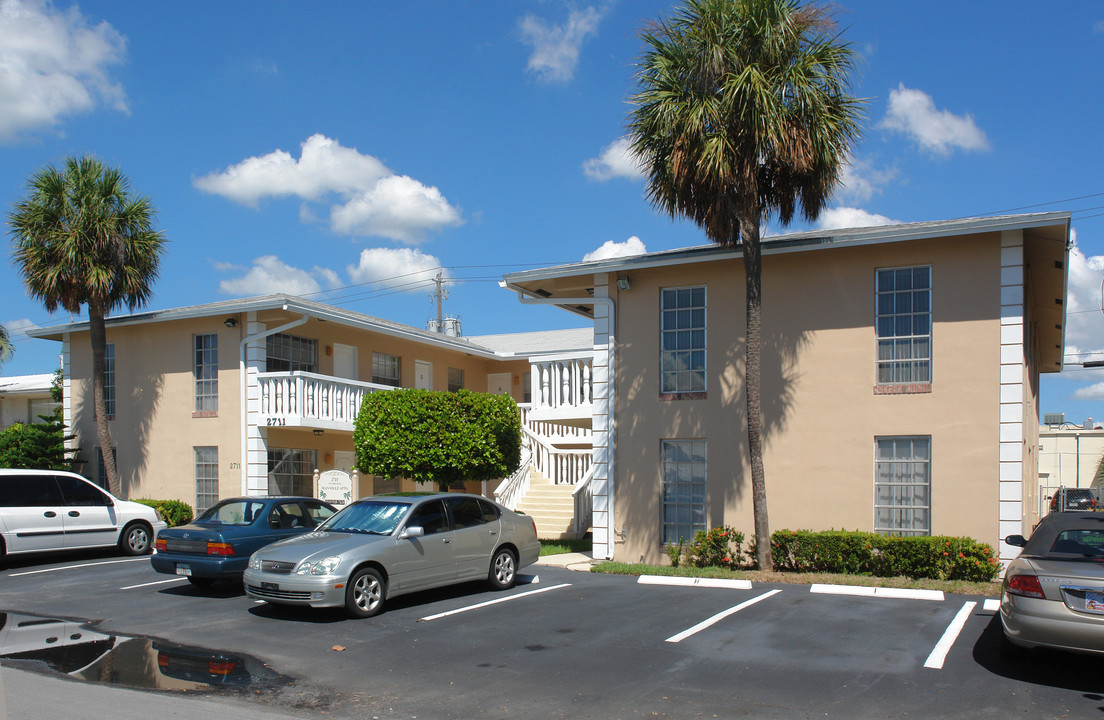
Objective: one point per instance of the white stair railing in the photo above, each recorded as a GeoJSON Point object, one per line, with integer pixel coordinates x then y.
{"type": "Point", "coordinates": [584, 504]}
{"type": "Point", "coordinates": [513, 489]}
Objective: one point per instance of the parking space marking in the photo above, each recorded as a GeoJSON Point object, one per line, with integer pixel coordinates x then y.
{"type": "Point", "coordinates": [991, 605]}
{"type": "Point", "coordinates": [939, 654]}
{"type": "Point", "coordinates": [694, 582]}
{"type": "Point", "coordinates": [155, 582]}
{"type": "Point", "coordinates": [492, 602]}
{"type": "Point", "coordinates": [719, 616]}
{"type": "Point", "coordinates": [865, 591]}
{"type": "Point", "coordinates": [77, 567]}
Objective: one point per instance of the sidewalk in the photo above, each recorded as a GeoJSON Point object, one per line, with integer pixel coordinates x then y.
{"type": "Point", "coordinates": [572, 561]}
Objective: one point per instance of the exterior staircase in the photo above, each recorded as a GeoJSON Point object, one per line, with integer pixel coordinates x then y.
{"type": "Point", "coordinates": [551, 506]}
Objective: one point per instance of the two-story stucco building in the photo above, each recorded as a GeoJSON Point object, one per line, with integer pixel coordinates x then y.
{"type": "Point", "coordinates": [900, 373]}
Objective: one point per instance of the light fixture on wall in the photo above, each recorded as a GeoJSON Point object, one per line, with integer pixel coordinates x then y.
{"type": "Point", "coordinates": [318, 431]}
{"type": "Point", "coordinates": [230, 322]}
{"type": "Point", "coordinates": [622, 282]}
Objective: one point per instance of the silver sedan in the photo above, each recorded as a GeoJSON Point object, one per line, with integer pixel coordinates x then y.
{"type": "Point", "coordinates": [1053, 593]}
{"type": "Point", "coordinates": [389, 545]}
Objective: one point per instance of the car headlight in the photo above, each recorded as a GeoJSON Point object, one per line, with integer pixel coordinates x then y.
{"type": "Point", "coordinates": [254, 562]}
{"type": "Point", "coordinates": [325, 566]}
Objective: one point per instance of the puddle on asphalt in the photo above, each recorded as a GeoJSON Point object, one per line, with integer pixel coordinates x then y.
{"type": "Point", "coordinates": [80, 651]}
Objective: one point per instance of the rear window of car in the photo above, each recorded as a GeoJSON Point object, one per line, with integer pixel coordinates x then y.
{"type": "Point", "coordinates": [1079, 542]}
{"type": "Point", "coordinates": [233, 512]}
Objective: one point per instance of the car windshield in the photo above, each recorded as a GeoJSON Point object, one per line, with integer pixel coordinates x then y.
{"type": "Point", "coordinates": [232, 512]}
{"type": "Point", "coordinates": [373, 517]}
{"type": "Point", "coordinates": [1089, 543]}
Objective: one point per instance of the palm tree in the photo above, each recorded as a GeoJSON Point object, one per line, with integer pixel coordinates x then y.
{"type": "Point", "coordinates": [742, 111]}
{"type": "Point", "coordinates": [82, 239]}
{"type": "Point", "coordinates": [7, 349]}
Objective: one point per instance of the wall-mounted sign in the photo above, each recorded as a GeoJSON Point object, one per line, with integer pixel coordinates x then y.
{"type": "Point", "coordinates": [335, 487]}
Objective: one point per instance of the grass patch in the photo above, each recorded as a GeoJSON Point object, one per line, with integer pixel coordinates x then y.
{"type": "Point", "coordinates": [559, 546]}
{"type": "Point", "coordinates": [953, 587]}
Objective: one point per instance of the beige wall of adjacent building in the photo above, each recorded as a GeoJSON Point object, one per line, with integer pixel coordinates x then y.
{"type": "Point", "coordinates": [821, 413]}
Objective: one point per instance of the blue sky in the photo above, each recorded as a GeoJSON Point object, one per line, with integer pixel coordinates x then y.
{"type": "Point", "coordinates": [350, 149]}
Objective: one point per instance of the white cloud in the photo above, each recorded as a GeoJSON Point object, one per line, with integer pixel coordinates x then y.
{"type": "Point", "coordinates": [395, 268]}
{"type": "Point", "coordinates": [270, 275]}
{"type": "Point", "coordinates": [611, 249]}
{"type": "Point", "coordinates": [556, 47]}
{"type": "Point", "coordinates": [848, 217]}
{"type": "Point", "coordinates": [366, 198]}
{"type": "Point", "coordinates": [861, 181]}
{"type": "Point", "coordinates": [913, 113]}
{"type": "Point", "coordinates": [17, 329]}
{"type": "Point", "coordinates": [1084, 318]}
{"type": "Point", "coordinates": [617, 160]}
{"type": "Point", "coordinates": [397, 207]}
{"type": "Point", "coordinates": [53, 63]}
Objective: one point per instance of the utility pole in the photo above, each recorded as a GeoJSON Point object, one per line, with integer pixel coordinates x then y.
{"type": "Point", "coordinates": [440, 292]}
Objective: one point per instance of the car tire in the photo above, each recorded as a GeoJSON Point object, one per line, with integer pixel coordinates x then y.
{"type": "Point", "coordinates": [136, 539]}
{"type": "Point", "coordinates": [365, 593]}
{"type": "Point", "coordinates": [202, 582]}
{"type": "Point", "coordinates": [503, 571]}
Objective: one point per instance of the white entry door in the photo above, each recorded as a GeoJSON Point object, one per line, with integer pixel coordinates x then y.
{"type": "Point", "coordinates": [345, 361]}
{"type": "Point", "coordinates": [498, 383]}
{"type": "Point", "coordinates": [423, 375]}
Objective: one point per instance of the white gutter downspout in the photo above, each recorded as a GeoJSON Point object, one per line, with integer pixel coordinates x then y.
{"type": "Point", "coordinates": [611, 424]}
{"type": "Point", "coordinates": [244, 396]}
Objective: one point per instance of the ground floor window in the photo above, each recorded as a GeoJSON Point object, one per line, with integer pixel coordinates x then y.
{"type": "Point", "coordinates": [206, 478]}
{"type": "Point", "coordinates": [291, 472]}
{"type": "Point", "coordinates": [902, 485]}
{"type": "Point", "coordinates": [684, 466]}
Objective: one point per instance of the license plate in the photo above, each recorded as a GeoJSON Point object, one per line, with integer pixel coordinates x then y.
{"type": "Point", "coordinates": [1094, 602]}
{"type": "Point", "coordinates": [269, 586]}
{"type": "Point", "coordinates": [185, 570]}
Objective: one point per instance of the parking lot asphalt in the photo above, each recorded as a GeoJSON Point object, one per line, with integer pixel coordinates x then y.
{"type": "Point", "coordinates": [576, 644]}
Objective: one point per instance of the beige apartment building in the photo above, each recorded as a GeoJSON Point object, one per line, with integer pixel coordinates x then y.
{"type": "Point", "coordinates": [900, 372]}
{"type": "Point", "coordinates": [255, 396]}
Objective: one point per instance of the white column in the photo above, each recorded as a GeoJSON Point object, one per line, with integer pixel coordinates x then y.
{"type": "Point", "coordinates": [70, 440]}
{"type": "Point", "coordinates": [602, 376]}
{"type": "Point", "coordinates": [256, 470]}
{"type": "Point", "coordinates": [1012, 387]}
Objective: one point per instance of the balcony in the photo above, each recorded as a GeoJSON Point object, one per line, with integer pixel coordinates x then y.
{"type": "Point", "coordinates": [303, 399]}
{"type": "Point", "coordinates": [562, 388]}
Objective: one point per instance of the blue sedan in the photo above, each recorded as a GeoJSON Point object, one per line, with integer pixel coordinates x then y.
{"type": "Point", "coordinates": [217, 545]}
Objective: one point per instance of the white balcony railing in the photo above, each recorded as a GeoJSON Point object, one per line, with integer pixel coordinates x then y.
{"type": "Point", "coordinates": [308, 399]}
{"type": "Point", "coordinates": [562, 386]}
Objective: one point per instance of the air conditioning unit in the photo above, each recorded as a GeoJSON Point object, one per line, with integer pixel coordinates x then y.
{"type": "Point", "coordinates": [1054, 418]}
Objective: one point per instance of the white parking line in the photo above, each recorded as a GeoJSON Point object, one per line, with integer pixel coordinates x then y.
{"type": "Point", "coordinates": [156, 582]}
{"type": "Point", "coordinates": [991, 605]}
{"type": "Point", "coordinates": [939, 654]}
{"type": "Point", "coordinates": [491, 602]}
{"type": "Point", "coordinates": [76, 567]}
{"type": "Point", "coordinates": [865, 591]}
{"type": "Point", "coordinates": [694, 582]}
{"type": "Point", "coordinates": [719, 616]}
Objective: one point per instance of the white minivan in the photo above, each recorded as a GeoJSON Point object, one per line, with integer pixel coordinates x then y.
{"type": "Point", "coordinates": [55, 510]}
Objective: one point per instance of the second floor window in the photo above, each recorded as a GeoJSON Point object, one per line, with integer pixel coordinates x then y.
{"type": "Point", "coordinates": [109, 380]}
{"type": "Point", "coordinates": [682, 340]}
{"type": "Point", "coordinates": [387, 369]}
{"type": "Point", "coordinates": [904, 325]}
{"type": "Point", "coordinates": [288, 353]}
{"type": "Point", "coordinates": [206, 373]}
{"type": "Point", "coordinates": [455, 379]}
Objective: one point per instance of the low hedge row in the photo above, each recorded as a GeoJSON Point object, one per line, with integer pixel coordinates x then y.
{"type": "Point", "coordinates": [863, 553]}
{"type": "Point", "coordinates": [173, 512]}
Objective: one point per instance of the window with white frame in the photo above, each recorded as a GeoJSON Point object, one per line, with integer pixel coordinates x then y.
{"type": "Point", "coordinates": [386, 369]}
{"type": "Point", "coordinates": [206, 372]}
{"type": "Point", "coordinates": [682, 340]}
{"type": "Point", "coordinates": [109, 380]}
{"type": "Point", "coordinates": [289, 353]}
{"type": "Point", "coordinates": [455, 379]}
{"type": "Point", "coordinates": [684, 468]}
{"type": "Point", "coordinates": [206, 478]}
{"type": "Point", "coordinates": [291, 472]}
{"type": "Point", "coordinates": [904, 325]}
{"type": "Point", "coordinates": [902, 485]}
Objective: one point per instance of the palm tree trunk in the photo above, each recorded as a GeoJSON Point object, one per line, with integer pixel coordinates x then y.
{"type": "Point", "coordinates": [98, 333]}
{"type": "Point", "coordinates": [753, 271]}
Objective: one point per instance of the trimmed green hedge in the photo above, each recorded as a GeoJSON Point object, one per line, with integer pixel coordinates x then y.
{"type": "Point", "coordinates": [173, 512]}
{"type": "Point", "coordinates": [863, 553]}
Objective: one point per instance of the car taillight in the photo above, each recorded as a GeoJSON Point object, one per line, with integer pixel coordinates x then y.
{"type": "Point", "coordinates": [534, 525]}
{"type": "Point", "coordinates": [220, 548]}
{"type": "Point", "coordinates": [162, 660]}
{"type": "Point", "coordinates": [1025, 585]}
{"type": "Point", "coordinates": [221, 667]}
{"type": "Point", "coordinates": [161, 545]}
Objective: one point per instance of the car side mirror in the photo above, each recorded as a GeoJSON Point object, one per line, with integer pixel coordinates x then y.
{"type": "Point", "coordinates": [413, 531]}
{"type": "Point", "coordinates": [1016, 540]}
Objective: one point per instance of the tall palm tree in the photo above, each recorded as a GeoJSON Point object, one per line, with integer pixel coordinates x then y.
{"type": "Point", "coordinates": [7, 349]}
{"type": "Point", "coordinates": [742, 112]}
{"type": "Point", "coordinates": [83, 239]}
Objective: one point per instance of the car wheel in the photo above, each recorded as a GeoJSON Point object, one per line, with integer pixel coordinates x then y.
{"type": "Point", "coordinates": [135, 539]}
{"type": "Point", "coordinates": [503, 570]}
{"type": "Point", "coordinates": [364, 593]}
{"type": "Point", "coordinates": [201, 581]}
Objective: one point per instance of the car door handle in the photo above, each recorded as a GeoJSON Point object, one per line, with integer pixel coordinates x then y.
{"type": "Point", "coordinates": [493, 532]}
{"type": "Point", "coordinates": [447, 541]}
{"type": "Point", "coordinates": [49, 513]}
{"type": "Point", "coordinates": [74, 513]}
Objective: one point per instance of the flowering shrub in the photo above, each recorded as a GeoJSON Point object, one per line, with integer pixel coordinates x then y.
{"type": "Point", "coordinates": [674, 552]}
{"type": "Point", "coordinates": [718, 547]}
{"type": "Point", "coordinates": [862, 553]}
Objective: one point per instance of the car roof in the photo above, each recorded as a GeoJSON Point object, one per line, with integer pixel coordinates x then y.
{"type": "Point", "coordinates": [1056, 523]}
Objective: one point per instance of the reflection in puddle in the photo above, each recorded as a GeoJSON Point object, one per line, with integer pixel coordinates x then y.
{"type": "Point", "coordinates": [77, 650]}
